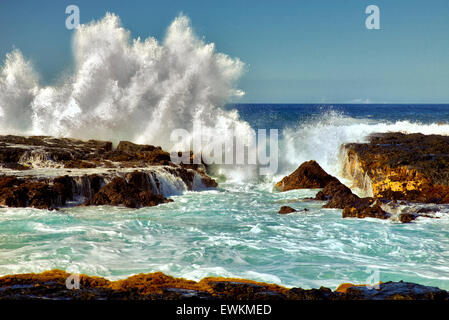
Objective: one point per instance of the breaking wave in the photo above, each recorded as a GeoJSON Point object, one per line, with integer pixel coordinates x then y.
{"type": "Point", "coordinates": [142, 90]}
{"type": "Point", "coordinates": [124, 88]}
{"type": "Point", "coordinates": [320, 138]}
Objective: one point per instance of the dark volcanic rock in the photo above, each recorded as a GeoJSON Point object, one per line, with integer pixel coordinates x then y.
{"type": "Point", "coordinates": [396, 291]}
{"type": "Point", "coordinates": [20, 152]}
{"type": "Point", "coordinates": [309, 175]}
{"type": "Point", "coordinates": [136, 153]}
{"type": "Point", "coordinates": [16, 192]}
{"type": "Point", "coordinates": [234, 290]}
{"type": "Point", "coordinates": [338, 194]}
{"type": "Point", "coordinates": [407, 217]}
{"type": "Point", "coordinates": [42, 190]}
{"type": "Point", "coordinates": [365, 210]}
{"type": "Point", "coordinates": [322, 293]}
{"type": "Point", "coordinates": [158, 286]}
{"type": "Point", "coordinates": [412, 167]}
{"type": "Point", "coordinates": [286, 210]}
{"type": "Point", "coordinates": [132, 194]}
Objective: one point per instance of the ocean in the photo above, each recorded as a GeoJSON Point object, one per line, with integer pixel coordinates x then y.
{"type": "Point", "coordinates": [235, 230]}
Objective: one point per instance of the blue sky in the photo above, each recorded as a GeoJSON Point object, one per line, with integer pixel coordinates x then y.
{"type": "Point", "coordinates": [303, 51]}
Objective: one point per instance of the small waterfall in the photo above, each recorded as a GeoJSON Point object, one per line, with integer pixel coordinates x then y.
{"type": "Point", "coordinates": [166, 181]}
{"type": "Point", "coordinates": [84, 187]}
{"type": "Point", "coordinates": [38, 158]}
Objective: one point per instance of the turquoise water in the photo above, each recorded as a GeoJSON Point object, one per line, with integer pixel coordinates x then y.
{"type": "Point", "coordinates": [234, 232]}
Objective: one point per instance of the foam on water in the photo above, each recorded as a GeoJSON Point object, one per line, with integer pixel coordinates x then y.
{"type": "Point", "coordinates": [141, 90]}
{"type": "Point", "coordinates": [234, 232]}
{"type": "Point", "coordinates": [320, 138]}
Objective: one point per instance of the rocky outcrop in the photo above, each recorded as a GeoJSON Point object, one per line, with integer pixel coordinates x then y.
{"type": "Point", "coordinates": [336, 194]}
{"type": "Point", "coordinates": [365, 208]}
{"type": "Point", "coordinates": [286, 210]}
{"type": "Point", "coordinates": [413, 167]}
{"type": "Point", "coordinates": [392, 291]}
{"type": "Point", "coordinates": [341, 197]}
{"type": "Point", "coordinates": [132, 194]}
{"type": "Point", "coordinates": [20, 193]}
{"type": "Point", "coordinates": [52, 285]}
{"type": "Point", "coordinates": [309, 175]}
{"type": "Point", "coordinates": [45, 173]}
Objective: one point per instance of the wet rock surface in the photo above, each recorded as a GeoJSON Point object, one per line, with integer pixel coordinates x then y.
{"type": "Point", "coordinates": [286, 210]}
{"type": "Point", "coordinates": [309, 175]}
{"type": "Point", "coordinates": [130, 194]}
{"type": "Point", "coordinates": [413, 167]}
{"type": "Point", "coordinates": [339, 196]}
{"type": "Point", "coordinates": [395, 291]}
{"type": "Point", "coordinates": [131, 175]}
{"type": "Point", "coordinates": [60, 285]}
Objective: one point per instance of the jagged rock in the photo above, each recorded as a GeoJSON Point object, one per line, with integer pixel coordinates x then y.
{"type": "Point", "coordinates": [158, 286]}
{"type": "Point", "coordinates": [407, 217]}
{"type": "Point", "coordinates": [16, 192]}
{"type": "Point", "coordinates": [286, 210]}
{"type": "Point", "coordinates": [396, 291]}
{"type": "Point", "coordinates": [143, 188]}
{"type": "Point", "coordinates": [365, 210]}
{"type": "Point", "coordinates": [20, 152]}
{"type": "Point", "coordinates": [132, 194]}
{"type": "Point", "coordinates": [338, 195]}
{"type": "Point", "coordinates": [412, 167]}
{"type": "Point", "coordinates": [309, 175]}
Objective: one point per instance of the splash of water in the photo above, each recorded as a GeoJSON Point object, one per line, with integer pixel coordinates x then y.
{"type": "Point", "coordinates": [320, 139]}
{"type": "Point", "coordinates": [124, 88]}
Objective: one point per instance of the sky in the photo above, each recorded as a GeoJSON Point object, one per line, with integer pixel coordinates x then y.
{"type": "Point", "coordinates": [302, 51]}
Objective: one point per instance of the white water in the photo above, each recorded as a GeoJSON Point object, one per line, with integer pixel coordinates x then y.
{"type": "Point", "coordinates": [124, 88]}
{"type": "Point", "coordinates": [140, 90]}
{"type": "Point", "coordinates": [320, 139]}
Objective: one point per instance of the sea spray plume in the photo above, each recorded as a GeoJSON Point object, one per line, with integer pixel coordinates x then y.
{"type": "Point", "coordinates": [320, 138]}
{"type": "Point", "coordinates": [125, 88]}
{"type": "Point", "coordinates": [18, 87]}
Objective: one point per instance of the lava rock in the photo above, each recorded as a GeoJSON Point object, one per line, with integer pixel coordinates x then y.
{"type": "Point", "coordinates": [286, 210]}
{"type": "Point", "coordinates": [309, 175]}
{"type": "Point", "coordinates": [120, 192]}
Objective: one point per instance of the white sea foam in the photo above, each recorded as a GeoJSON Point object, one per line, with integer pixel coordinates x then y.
{"type": "Point", "coordinates": [141, 90]}
{"type": "Point", "coordinates": [320, 139]}
{"type": "Point", "coordinates": [124, 88]}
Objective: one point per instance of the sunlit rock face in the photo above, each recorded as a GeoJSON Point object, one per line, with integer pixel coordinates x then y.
{"type": "Point", "coordinates": [395, 166]}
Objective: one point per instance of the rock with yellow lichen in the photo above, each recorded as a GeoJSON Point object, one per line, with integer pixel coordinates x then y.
{"type": "Point", "coordinates": [413, 167]}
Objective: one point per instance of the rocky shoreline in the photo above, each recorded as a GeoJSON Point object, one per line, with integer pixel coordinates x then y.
{"type": "Point", "coordinates": [397, 166]}
{"type": "Point", "coordinates": [60, 285]}
{"type": "Point", "coordinates": [393, 169]}
{"type": "Point", "coordinates": [48, 173]}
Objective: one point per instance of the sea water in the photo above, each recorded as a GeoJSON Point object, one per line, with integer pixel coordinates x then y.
{"type": "Point", "coordinates": [235, 230]}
